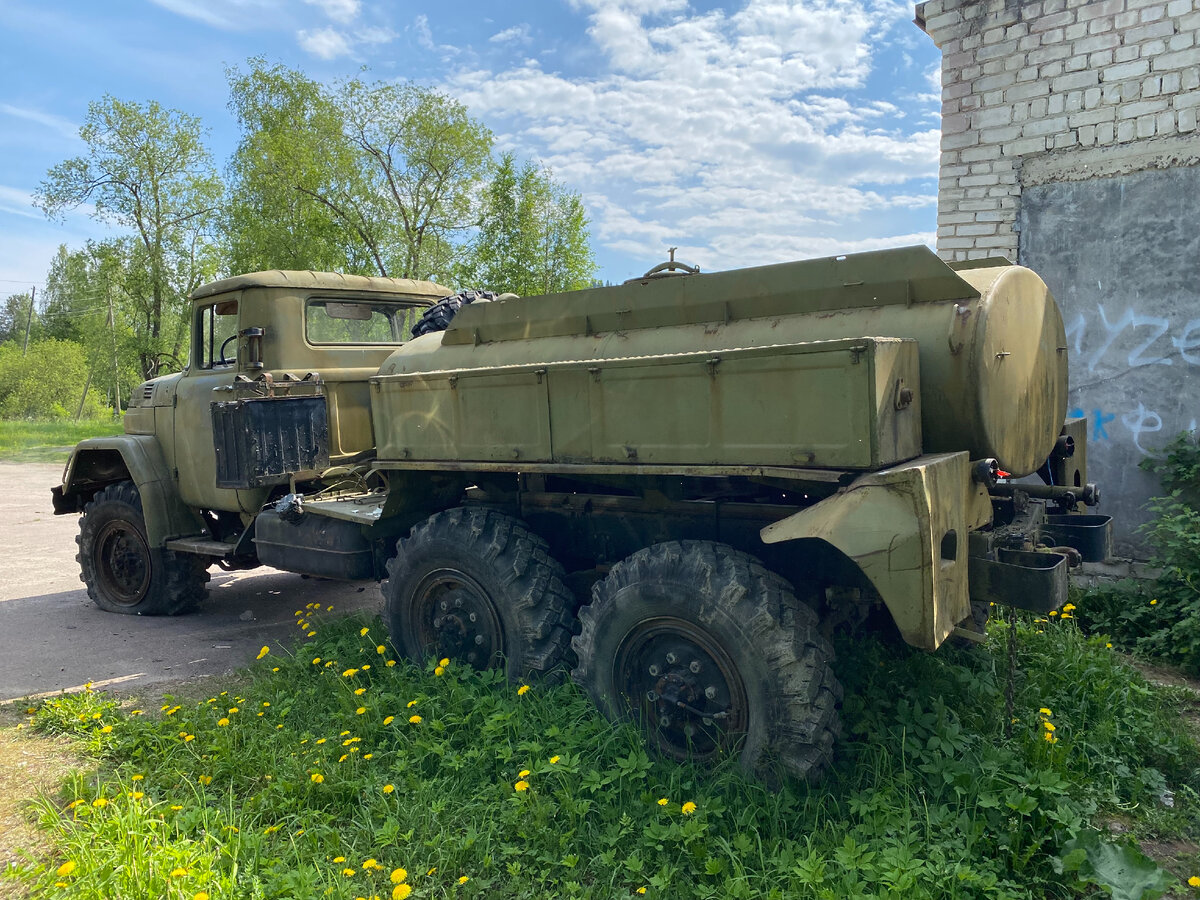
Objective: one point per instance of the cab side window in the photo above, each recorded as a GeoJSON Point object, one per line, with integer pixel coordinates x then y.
{"type": "Point", "coordinates": [217, 334]}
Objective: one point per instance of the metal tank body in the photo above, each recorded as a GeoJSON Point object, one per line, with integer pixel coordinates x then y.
{"type": "Point", "coordinates": [991, 379]}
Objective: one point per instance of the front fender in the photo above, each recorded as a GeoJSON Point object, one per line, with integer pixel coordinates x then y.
{"type": "Point", "coordinates": [97, 462]}
{"type": "Point", "coordinates": [906, 529]}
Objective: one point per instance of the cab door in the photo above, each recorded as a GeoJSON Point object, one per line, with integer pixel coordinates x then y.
{"type": "Point", "coordinates": [209, 377]}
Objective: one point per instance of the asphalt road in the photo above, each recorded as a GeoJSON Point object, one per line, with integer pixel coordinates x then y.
{"type": "Point", "coordinates": [53, 638]}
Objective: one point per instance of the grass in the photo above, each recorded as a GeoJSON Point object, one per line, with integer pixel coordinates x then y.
{"type": "Point", "coordinates": [343, 773]}
{"type": "Point", "coordinates": [48, 440]}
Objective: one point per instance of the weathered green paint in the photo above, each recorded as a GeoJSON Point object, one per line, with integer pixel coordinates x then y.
{"type": "Point", "coordinates": [894, 524]}
{"type": "Point", "coordinates": [166, 514]}
{"type": "Point", "coordinates": [771, 406]}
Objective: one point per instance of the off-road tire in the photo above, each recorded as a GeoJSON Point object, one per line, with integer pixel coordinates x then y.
{"type": "Point", "coordinates": [438, 316]}
{"type": "Point", "coordinates": [747, 628]}
{"type": "Point", "coordinates": [123, 573]}
{"type": "Point", "coordinates": [473, 561]}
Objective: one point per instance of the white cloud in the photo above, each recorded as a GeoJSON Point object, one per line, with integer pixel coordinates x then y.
{"type": "Point", "coordinates": [324, 43]}
{"type": "Point", "coordinates": [747, 137]}
{"type": "Point", "coordinates": [516, 34]}
{"type": "Point", "coordinates": [344, 11]}
{"type": "Point", "coordinates": [63, 126]}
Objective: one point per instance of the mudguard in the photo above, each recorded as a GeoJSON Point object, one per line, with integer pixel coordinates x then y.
{"type": "Point", "coordinates": [97, 462]}
{"type": "Point", "coordinates": [906, 528]}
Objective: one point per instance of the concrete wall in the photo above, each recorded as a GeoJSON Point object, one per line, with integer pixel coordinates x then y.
{"type": "Point", "coordinates": [1069, 144]}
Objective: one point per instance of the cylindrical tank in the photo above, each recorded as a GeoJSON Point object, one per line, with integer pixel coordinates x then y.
{"type": "Point", "coordinates": [993, 356]}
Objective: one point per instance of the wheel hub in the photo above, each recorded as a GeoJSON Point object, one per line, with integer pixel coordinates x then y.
{"type": "Point", "coordinates": [683, 686]}
{"type": "Point", "coordinates": [122, 562]}
{"type": "Point", "coordinates": [458, 619]}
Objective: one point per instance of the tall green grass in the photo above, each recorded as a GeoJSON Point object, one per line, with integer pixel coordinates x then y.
{"type": "Point", "coordinates": [344, 773]}
{"type": "Point", "coordinates": [49, 440]}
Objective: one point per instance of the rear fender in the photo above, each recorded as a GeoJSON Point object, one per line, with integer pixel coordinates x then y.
{"type": "Point", "coordinates": [906, 529]}
{"type": "Point", "coordinates": [98, 462]}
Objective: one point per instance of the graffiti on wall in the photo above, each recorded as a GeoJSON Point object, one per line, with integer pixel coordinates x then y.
{"type": "Point", "coordinates": [1106, 345]}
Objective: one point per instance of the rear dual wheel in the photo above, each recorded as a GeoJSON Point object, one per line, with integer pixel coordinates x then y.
{"type": "Point", "coordinates": [712, 655]}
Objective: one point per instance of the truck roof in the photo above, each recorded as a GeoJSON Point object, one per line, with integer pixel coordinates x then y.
{"type": "Point", "coordinates": [322, 281]}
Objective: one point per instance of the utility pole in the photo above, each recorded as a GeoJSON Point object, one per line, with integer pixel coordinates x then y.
{"type": "Point", "coordinates": [29, 320]}
{"type": "Point", "coordinates": [112, 323]}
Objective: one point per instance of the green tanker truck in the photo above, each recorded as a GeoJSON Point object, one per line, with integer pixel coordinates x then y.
{"type": "Point", "coordinates": [673, 488]}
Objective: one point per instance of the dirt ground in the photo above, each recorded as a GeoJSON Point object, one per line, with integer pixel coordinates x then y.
{"type": "Point", "coordinates": [53, 638]}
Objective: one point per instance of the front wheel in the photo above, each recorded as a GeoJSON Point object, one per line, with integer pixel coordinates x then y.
{"type": "Point", "coordinates": [711, 654]}
{"type": "Point", "coordinates": [477, 586]}
{"type": "Point", "coordinates": [123, 573]}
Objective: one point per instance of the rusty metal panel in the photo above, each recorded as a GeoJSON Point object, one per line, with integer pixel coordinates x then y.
{"type": "Point", "coordinates": [266, 440]}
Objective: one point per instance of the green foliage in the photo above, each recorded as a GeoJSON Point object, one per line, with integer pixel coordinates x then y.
{"type": "Point", "coordinates": [146, 169]}
{"type": "Point", "coordinates": [326, 772]}
{"type": "Point", "coordinates": [1125, 871]}
{"type": "Point", "coordinates": [46, 382]}
{"type": "Point", "coordinates": [376, 178]}
{"type": "Point", "coordinates": [533, 237]}
{"type": "Point", "coordinates": [1160, 618]}
{"type": "Point", "coordinates": [15, 313]}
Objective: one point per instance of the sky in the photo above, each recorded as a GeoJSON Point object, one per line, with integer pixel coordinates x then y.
{"type": "Point", "coordinates": [742, 133]}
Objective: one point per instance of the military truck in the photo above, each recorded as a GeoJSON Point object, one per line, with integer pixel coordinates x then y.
{"type": "Point", "coordinates": [674, 488]}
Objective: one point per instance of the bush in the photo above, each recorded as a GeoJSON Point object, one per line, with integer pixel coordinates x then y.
{"type": "Point", "coordinates": [1160, 618]}
{"type": "Point", "coordinates": [47, 382]}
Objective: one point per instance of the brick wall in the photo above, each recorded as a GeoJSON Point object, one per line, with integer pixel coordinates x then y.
{"type": "Point", "coordinates": [1050, 78]}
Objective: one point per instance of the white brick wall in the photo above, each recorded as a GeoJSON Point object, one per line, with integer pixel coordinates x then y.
{"type": "Point", "coordinates": [1050, 76]}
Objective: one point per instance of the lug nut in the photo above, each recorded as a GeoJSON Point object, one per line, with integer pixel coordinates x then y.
{"type": "Point", "coordinates": [652, 696]}
{"type": "Point", "coordinates": [479, 640]}
{"type": "Point", "coordinates": [445, 606]}
{"type": "Point", "coordinates": [471, 657]}
{"type": "Point", "coordinates": [654, 671]}
{"type": "Point", "coordinates": [694, 666]}
{"type": "Point", "coordinates": [437, 623]}
{"type": "Point", "coordinates": [710, 692]}
{"type": "Point", "coordinates": [664, 721]}
{"type": "Point", "coordinates": [472, 617]}
{"type": "Point", "coordinates": [671, 658]}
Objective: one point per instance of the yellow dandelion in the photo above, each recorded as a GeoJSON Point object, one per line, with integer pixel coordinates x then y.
{"type": "Point", "coordinates": [412, 703]}
{"type": "Point", "coordinates": [1052, 613]}
{"type": "Point", "coordinates": [107, 729]}
{"type": "Point", "coordinates": [349, 872]}
{"type": "Point", "coordinates": [311, 634]}
{"type": "Point", "coordinates": [360, 710]}
{"type": "Point", "coordinates": [381, 649]}
{"type": "Point", "coordinates": [444, 661]}
{"type": "Point", "coordinates": [1068, 607]}
{"type": "Point", "coordinates": [176, 807]}
{"type": "Point", "coordinates": [137, 778]}
{"type": "Point", "coordinates": [415, 720]}
{"type": "Point", "coordinates": [205, 779]}
{"type": "Point", "coordinates": [1154, 602]}
{"type": "Point", "coordinates": [554, 760]}
{"type": "Point", "coordinates": [327, 609]}
{"type": "Point", "coordinates": [521, 786]}
{"type": "Point", "coordinates": [1049, 726]}
{"type": "Point", "coordinates": [137, 795]}
{"type": "Point", "coordinates": [322, 740]}
{"type": "Point", "coordinates": [178, 872]}
{"type": "Point", "coordinates": [389, 720]}
{"type": "Point", "coordinates": [366, 667]}
{"type": "Point", "coordinates": [390, 663]}
{"type": "Point", "coordinates": [438, 671]}
{"type": "Point", "coordinates": [399, 876]}
{"type": "Point", "coordinates": [67, 868]}
{"type": "Point", "coordinates": [358, 692]}
{"type": "Point", "coordinates": [431, 871]}
{"type": "Point", "coordinates": [200, 895]}
{"type": "Point", "coordinates": [388, 788]}
{"type": "Point", "coordinates": [688, 808]}
{"type": "Point", "coordinates": [263, 652]}
{"type": "Point", "coordinates": [368, 755]}
{"type": "Point", "coordinates": [339, 859]}
{"type": "Point", "coordinates": [371, 864]}
{"type": "Point", "coordinates": [100, 803]}
{"type": "Point", "coordinates": [363, 632]}
{"type": "Point", "coordinates": [222, 722]}
{"type": "Point", "coordinates": [401, 891]}
{"type": "Point", "coordinates": [663, 801]}
{"type": "Point", "coordinates": [1194, 881]}
{"type": "Point", "coordinates": [1045, 712]}
{"type": "Point", "coordinates": [316, 660]}
{"type": "Point", "coordinates": [522, 690]}
{"type": "Point", "coordinates": [343, 757]}
{"type": "Point", "coordinates": [1109, 645]}
{"type": "Point", "coordinates": [350, 673]}
{"type": "Point", "coordinates": [463, 879]}
{"type": "Point", "coordinates": [317, 777]}
{"type": "Point", "coordinates": [1050, 739]}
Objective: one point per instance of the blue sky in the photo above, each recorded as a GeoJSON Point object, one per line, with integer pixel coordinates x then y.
{"type": "Point", "coordinates": [744, 133]}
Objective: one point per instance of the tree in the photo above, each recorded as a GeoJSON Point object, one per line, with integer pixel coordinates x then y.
{"type": "Point", "coordinates": [374, 177]}
{"type": "Point", "coordinates": [15, 316]}
{"type": "Point", "coordinates": [533, 238]}
{"type": "Point", "coordinates": [146, 169]}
